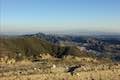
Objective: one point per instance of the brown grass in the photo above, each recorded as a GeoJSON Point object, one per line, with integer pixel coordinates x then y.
{"type": "Point", "coordinates": [92, 75]}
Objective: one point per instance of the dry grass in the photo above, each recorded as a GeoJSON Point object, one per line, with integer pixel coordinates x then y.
{"type": "Point", "coordinates": [92, 75]}
{"type": "Point", "coordinates": [57, 70]}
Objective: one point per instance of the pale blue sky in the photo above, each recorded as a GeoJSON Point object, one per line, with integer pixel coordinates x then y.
{"type": "Point", "coordinates": [59, 15]}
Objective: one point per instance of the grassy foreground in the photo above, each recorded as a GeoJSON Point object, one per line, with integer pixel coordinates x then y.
{"type": "Point", "coordinates": [92, 75]}
{"type": "Point", "coordinates": [57, 70]}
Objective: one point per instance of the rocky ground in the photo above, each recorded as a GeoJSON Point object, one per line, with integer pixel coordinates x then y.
{"type": "Point", "coordinates": [58, 70]}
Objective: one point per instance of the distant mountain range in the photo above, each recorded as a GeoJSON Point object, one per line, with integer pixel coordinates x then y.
{"type": "Point", "coordinates": [32, 45]}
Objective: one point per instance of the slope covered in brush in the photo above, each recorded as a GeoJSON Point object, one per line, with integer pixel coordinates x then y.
{"type": "Point", "coordinates": [24, 47]}
{"type": "Point", "coordinates": [31, 48]}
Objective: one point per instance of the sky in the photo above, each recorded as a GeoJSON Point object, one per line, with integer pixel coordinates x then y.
{"type": "Point", "coordinates": [20, 16]}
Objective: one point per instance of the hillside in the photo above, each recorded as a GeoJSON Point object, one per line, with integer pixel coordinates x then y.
{"type": "Point", "coordinates": [31, 48]}
{"type": "Point", "coordinates": [23, 47]}
{"type": "Point", "coordinates": [29, 57]}
{"type": "Point", "coordinates": [103, 46]}
{"type": "Point", "coordinates": [37, 46]}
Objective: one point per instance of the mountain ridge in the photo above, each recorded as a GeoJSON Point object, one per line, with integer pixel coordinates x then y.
{"type": "Point", "coordinates": [32, 45]}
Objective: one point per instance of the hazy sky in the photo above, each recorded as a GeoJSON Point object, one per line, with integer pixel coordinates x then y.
{"type": "Point", "coordinates": [59, 15]}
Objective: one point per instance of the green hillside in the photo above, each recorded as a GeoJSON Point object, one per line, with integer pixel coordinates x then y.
{"type": "Point", "coordinates": [30, 48]}
{"type": "Point", "coordinates": [24, 47]}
